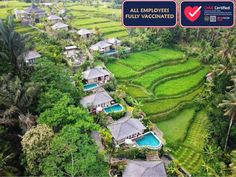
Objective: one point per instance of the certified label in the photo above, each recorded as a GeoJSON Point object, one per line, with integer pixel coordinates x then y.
{"type": "Point", "coordinates": [207, 14]}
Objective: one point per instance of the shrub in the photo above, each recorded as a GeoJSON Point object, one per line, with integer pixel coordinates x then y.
{"type": "Point", "coordinates": [111, 86]}
{"type": "Point", "coordinates": [132, 153]}
{"type": "Point", "coordinates": [117, 115]}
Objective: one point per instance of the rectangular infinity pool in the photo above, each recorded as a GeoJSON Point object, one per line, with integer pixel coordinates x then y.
{"type": "Point", "coordinates": [149, 140]}
{"type": "Point", "coordinates": [113, 108]}
{"type": "Point", "coordinates": [88, 87]}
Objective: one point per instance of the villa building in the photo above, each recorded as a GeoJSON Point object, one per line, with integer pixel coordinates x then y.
{"type": "Point", "coordinates": [138, 168]}
{"type": "Point", "coordinates": [126, 128]}
{"type": "Point", "coordinates": [20, 14]}
{"type": "Point", "coordinates": [106, 45]}
{"type": "Point", "coordinates": [97, 100]}
{"type": "Point", "coordinates": [115, 42]}
{"type": "Point", "coordinates": [96, 75]}
{"type": "Point", "coordinates": [30, 57]}
{"type": "Point", "coordinates": [54, 19]}
{"type": "Point", "coordinates": [60, 26]}
{"type": "Point", "coordinates": [101, 46]}
{"type": "Point", "coordinates": [30, 15]}
{"type": "Point", "coordinates": [85, 33]}
{"type": "Point", "coordinates": [73, 57]}
{"type": "Point", "coordinates": [71, 51]}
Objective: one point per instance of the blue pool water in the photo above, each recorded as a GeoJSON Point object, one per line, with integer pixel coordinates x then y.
{"type": "Point", "coordinates": [113, 108]}
{"type": "Point", "coordinates": [90, 86]}
{"type": "Point", "coordinates": [148, 140]}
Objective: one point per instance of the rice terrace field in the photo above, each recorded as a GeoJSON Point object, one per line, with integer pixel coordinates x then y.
{"type": "Point", "coordinates": [91, 17]}
{"type": "Point", "coordinates": [164, 81]}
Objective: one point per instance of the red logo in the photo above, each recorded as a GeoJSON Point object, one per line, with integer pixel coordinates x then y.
{"type": "Point", "coordinates": [192, 13]}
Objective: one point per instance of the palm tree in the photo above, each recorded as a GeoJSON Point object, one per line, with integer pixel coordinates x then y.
{"type": "Point", "coordinates": [12, 44]}
{"type": "Point", "coordinates": [227, 47]}
{"type": "Point", "coordinates": [15, 99]}
{"type": "Point", "coordinates": [120, 91]}
{"type": "Point", "coordinates": [229, 106]}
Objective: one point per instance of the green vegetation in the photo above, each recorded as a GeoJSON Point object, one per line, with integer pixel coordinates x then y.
{"type": "Point", "coordinates": [120, 70]}
{"type": "Point", "coordinates": [104, 19]}
{"type": "Point", "coordinates": [180, 85]}
{"type": "Point", "coordinates": [6, 7]}
{"type": "Point", "coordinates": [136, 92]}
{"type": "Point", "coordinates": [142, 60]}
{"type": "Point", "coordinates": [175, 128]}
{"type": "Point", "coordinates": [147, 79]}
{"type": "Point", "coordinates": [41, 103]}
{"type": "Point", "coordinates": [164, 105]}
{"type": "Point", "coordinates": [70, 145]}
{"type": "Point", "coordinates": [197, 133]}
{"type": "Point", "coordinates": [190, 153]}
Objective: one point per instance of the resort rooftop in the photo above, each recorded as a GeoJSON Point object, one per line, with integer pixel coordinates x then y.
{"type": "Point", "coordinates": [59, 25]}
{"type": "Point", "coordinates": [96, 99]}
{"type": "Point", "coordinates": [94, 73]}
{"type": "Point", "coordinates": [54, 17]}
{"type": "Point", "coordinates": [84, 31]}
{"type": "Point", "coordinates": [137, 168]}
{"type": "Point", "coordinates": [34, 9]}
{"type": "Point", "coordinates": [125, 127]}
{"type": "Point", "coordinates": [31, 55]}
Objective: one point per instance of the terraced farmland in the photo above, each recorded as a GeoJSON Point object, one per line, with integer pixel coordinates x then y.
{"type": "Point", "coordinates": [9, 6]}
{"type": "Point", "coordinates": [175, 128]}
{"type": "Point", "coordinates": [162, 80]}
{"type": "Point", "coordinates": [190, 152]}
{"type": "Point", "coordinates": [180, 85]}
{"type": "Point", "coordinates": [91, 17]}
{"type": "Point", "coordinates": [148, 79]}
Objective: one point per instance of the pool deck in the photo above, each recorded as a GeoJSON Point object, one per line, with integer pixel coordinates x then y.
{"type": "Point", "coordinates": [113, 111]}
{"type": "Point", "coordinates": [146, 146]}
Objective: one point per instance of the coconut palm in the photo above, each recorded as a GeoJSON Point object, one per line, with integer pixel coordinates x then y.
{"type": "Point", "coordinates": [12, 44]}
{"type": "Point", "coordinates": [227, 47]}
{"type": "Point", "coordinates": [229, 106]}
{"type": "Point", "coordinates": [15, 99]}
{"type": "Point", "coordinates": [120, 91]}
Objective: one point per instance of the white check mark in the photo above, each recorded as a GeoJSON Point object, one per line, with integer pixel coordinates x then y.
{"type": "Point", "coordinates": [195, 12]}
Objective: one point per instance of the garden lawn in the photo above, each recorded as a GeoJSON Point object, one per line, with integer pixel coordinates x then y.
{"type": "Point", "coordinates": [164, 105]}
{"type": "Point", "coordinates": [136, 92]}
{"type": "Point", "coordinates": [149, 78]}
{"type": "Point", "coordinates": [175, 128]}
{"type": "Point", "coordinates": [141, 60]}
{"type": "Point", "coordinates": [180, 85]}
{"type": "Point", "coordinates": [120, 70]}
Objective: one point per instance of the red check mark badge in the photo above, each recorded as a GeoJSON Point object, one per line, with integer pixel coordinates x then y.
{"type": "Point", "coordinates": [192, 13]}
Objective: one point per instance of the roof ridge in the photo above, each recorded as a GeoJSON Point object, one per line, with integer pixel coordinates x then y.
{"type": "Point", "coordinates": [131, 124]}
{"type": "Point", "coordinates": [120, 125]}
{"type": "Point", "coordinates": [155, 165]}
{"type": "Point", "coordinates": [97, 69]}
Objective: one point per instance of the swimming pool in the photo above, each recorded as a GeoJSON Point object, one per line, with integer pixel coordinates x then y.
{"type": "Point", "coordinates": [88, 87]}
{"type": "Point", "coordinates": [113, 108]}
{"type": "Point", "coordinates": [149, 140]}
